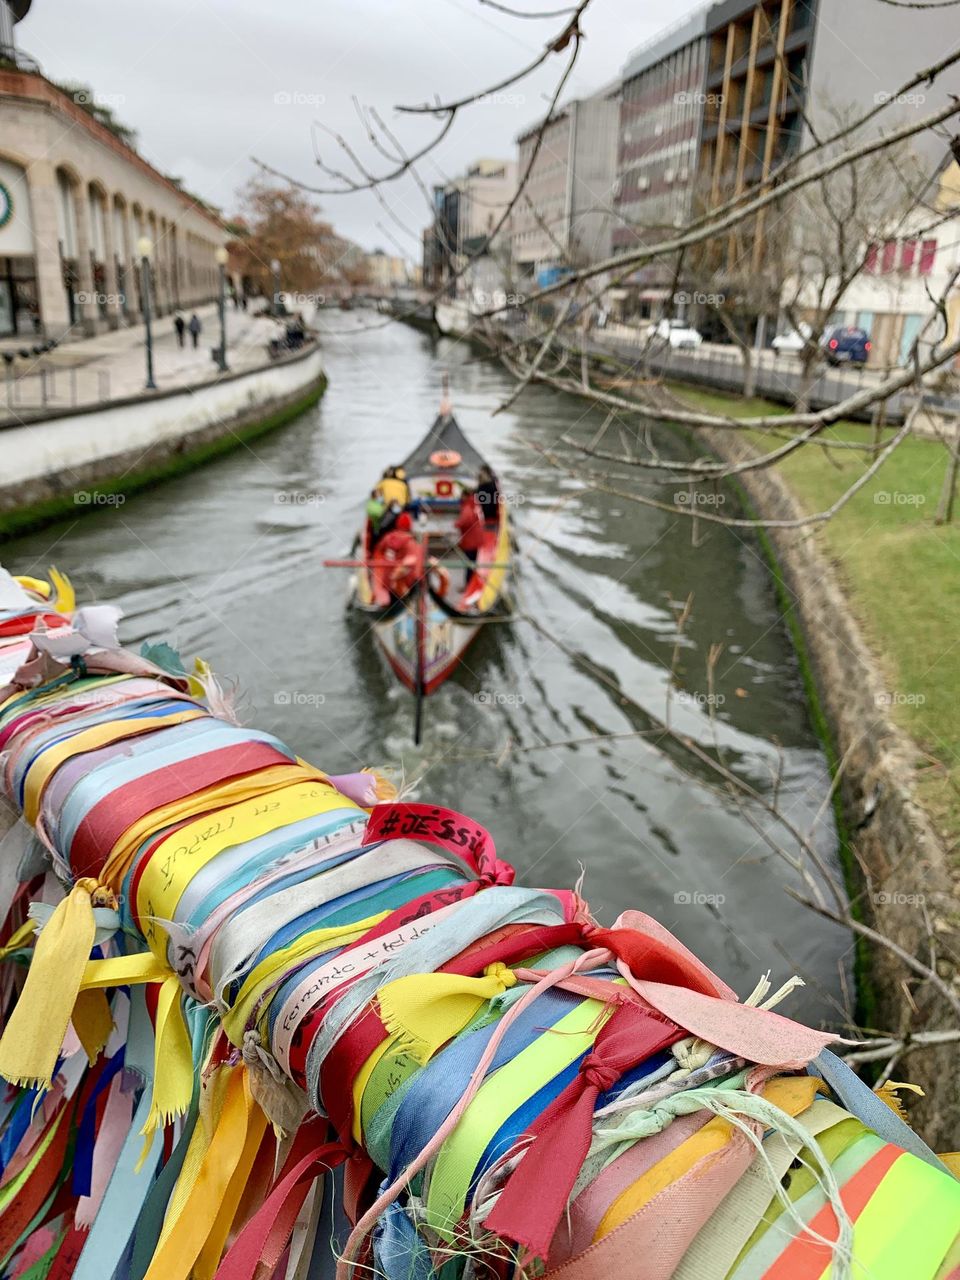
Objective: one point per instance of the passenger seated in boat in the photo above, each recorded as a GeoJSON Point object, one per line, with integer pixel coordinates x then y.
{"type": "Point", "coordinates": [400, 548]}
{"type": "Point", "coordinates": [488, 495]}
{"type": "Point", "coordinates": [389, 518]}
{"type": "Point", "coordinates": [376, 509]}
{"type": "Point", "coordinates": [469, 524]}
{"type": "Point", "coordinates": [393, 487]}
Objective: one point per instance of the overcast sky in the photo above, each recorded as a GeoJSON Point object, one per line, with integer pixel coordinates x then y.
{"type": "Point", "coordinates": [199, 81]}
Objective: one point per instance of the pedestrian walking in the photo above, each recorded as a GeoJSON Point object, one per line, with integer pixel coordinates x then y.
{"type": "Point", "coordinates": [195, 326]}
{"type": "Point", "coordinates": [180, 325]}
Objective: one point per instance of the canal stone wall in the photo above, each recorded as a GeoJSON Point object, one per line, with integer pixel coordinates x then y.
{"type": "Point", "coordinates": [902, 883]}
{"type": "Point", "coordinates": [79, 459]}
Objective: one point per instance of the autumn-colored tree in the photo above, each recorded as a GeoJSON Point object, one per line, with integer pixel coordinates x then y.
{"type": "Point", "coordinates": [279, 221]}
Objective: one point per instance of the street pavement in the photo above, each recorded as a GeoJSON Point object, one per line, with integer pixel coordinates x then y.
{"type": "Point", "coordinates": [112, 365]}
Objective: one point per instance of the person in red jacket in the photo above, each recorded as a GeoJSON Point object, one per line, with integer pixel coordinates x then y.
{"type": "Point", "coordinates": [470, 525]}
{"type": "Point", "coordinates": [402, 550]}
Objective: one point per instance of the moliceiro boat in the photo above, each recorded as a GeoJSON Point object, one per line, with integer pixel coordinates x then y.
{"type": "Point", "coordinates": [427, 610]}
{"type": "Point", "coordinates": [226, 972]}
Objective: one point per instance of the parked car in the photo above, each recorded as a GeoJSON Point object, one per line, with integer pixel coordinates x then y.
{"type": "Point", "coordinates": [794, 340]}
{"type": "Point", "coordinates": [677, 333]}
{"type": "Point", "coordinates": [846, 344]}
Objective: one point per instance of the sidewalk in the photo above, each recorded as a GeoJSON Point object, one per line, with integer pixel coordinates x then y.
{"type": "Point", "coordinates": [112, 366]}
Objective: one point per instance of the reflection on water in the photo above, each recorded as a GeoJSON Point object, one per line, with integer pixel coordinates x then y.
{"type": "Point", "coordinates": [226, 562]}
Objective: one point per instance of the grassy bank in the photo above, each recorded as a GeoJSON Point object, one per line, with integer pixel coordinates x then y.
{"type": "Point", "coordinates": [900, 571]}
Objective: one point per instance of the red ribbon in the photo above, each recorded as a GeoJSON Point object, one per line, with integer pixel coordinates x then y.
{"type": "Point", "coordinates": [345, 1060]}
{"type": "Point", "coordinates": [28, 622]}
{"type": "Point", "coordinates": [106, 822]}
{"type": "Point", "coordinates": [444, 827]}
{"type": "Point", "coordinates": [532, 1202]}
{"type": "Point", "coordinates": [267, 1234]}
{"type": "Point", "coordinates": [658, 960]}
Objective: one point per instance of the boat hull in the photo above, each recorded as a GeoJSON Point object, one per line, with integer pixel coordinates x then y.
{"type": "Point", "coordinates": [445, 641]}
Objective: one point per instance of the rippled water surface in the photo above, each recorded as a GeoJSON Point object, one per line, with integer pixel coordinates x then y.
{"type": "Point", "coordinates": [227, 563]}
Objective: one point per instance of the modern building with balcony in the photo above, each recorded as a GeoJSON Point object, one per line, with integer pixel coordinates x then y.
{"type": "Point", "coordinates": [720, 101]}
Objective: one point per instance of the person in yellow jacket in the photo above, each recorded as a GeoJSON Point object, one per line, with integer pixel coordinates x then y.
{"type": "Point", "coordinates": [393, 487]}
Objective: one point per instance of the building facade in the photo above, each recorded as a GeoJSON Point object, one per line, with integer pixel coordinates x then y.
{"type": "Point", "coordinates": [565, 214]}
{"type": "Point", "coordinates": [385, 271]}
{"type": "Point", "coordinates": [75, 199]}
{"type": "Point", "coordinates": [890, 299]}
{"type": "Point", "coordinates": [467, 216]}
{"type": "Point", "coordinates": [715, 106]}
{"type": "Point", "coordinates": [660, 122]}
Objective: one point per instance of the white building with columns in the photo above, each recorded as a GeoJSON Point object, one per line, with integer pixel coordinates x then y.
{"type": "Point", "coordinates": [75, 201]}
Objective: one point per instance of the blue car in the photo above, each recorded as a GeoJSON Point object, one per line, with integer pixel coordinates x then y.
{"type": "Point", "coordinates": [846, 345]}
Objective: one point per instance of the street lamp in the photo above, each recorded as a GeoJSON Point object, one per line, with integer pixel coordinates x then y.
{"type": "Point", "coordinates": [145, 250]}
{"type": "Point", "coordinates": [275, 268]}
{"type": "Point", "coordinates": [221, 356]}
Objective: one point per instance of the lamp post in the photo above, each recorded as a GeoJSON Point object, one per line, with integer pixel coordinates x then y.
{"type": "Point", "coordinates": [144, 250]}
{"type": "Point", "coordinates": [275, 268]}
{"type": "Point", "coordinates": [222, 255]}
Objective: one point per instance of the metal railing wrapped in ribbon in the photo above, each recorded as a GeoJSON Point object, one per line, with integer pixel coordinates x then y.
{"type": "Point", "coordinates": [226, 972]}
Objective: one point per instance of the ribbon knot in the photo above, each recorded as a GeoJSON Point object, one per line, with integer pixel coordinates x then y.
{"type": "Point", "coordinates": [600, 1074]}
{"type": "Point", "coordinates": [532, 1202]}
{"type": "Point", "coordinates": [501, 974]}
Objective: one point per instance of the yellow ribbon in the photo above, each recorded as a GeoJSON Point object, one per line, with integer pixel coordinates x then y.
{"type": "Point", "coordinates": [230, 814]}
{"type": "Point", "coordinates": [173, 1053]}
{"type": "Point", "coordinates": [422, 1013]}
{"type": "Point", "coordinates": [19, 938]}
{"type": "Point", "coordinates": [98, 735]}
{"type": "Point", "coordinates": [274, 966]}
{"type": "Point", "coordinates": [202, 1224]}
{"type": "Point", "coordinates": [426, 1010]}
{"type": "Point", "coordinates": [34, 1034]}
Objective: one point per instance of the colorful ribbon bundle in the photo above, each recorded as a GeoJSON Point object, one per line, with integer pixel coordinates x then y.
{"type": "Point", "coordinates": [227, 973]}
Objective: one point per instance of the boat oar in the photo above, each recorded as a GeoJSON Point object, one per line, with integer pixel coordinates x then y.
{"type": "Point", "coordinates": [419, 692]}
{"type": "Point", "coordinates": [391, 564]}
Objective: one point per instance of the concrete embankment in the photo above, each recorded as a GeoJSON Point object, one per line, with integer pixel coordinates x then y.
{"type": "Point", "coordinates": [61, 465]}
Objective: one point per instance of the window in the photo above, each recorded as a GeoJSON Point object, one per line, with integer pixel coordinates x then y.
{"type": "Point", "coordinates": [889, 256]}
{"type": "Point", "coordinates": [928, 251]}
{"type": "Point", "coordinates": [870, 261]}
{"type": "Point", "coordinates": [908, 253]}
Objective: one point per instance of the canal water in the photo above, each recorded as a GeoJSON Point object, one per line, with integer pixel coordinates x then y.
{"type": "Point", "coordinates": [549, 734]}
